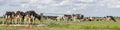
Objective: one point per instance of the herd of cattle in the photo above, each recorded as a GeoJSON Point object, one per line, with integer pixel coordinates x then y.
{"type": "Point", "coordinates": [30, 16]}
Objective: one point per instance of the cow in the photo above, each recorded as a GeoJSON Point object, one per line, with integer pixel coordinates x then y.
{"type": "Point", "coordinates": [59, 18]}
{"type": "Point", "coordinates": [50, 17]}
{"type": "Point", "coordinates": [9, 16]}
{"type": "Point", "coordinates": [76, 17]}
{"type": "Point", "coordinates": [90, 18]}
{"type": "Point", "coordinates": [110, 18]}
{"type": "Point", "coordinates": [19, 17]}
{"type": "Point", "coordinates": [30, 16]}
{"type": "Point", "coordinates": [12, 16]}
{"type": "Point", "coordinates": [67, 17]}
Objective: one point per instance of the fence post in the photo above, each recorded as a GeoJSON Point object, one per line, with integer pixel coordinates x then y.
{"type": "Point", "coordinates": [41, 15]}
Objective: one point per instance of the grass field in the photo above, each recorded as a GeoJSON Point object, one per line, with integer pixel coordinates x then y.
{"type": "Point", "coordinates": [61, 25]}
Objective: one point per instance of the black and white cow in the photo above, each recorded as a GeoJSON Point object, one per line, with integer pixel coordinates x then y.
{"type": "Point", "coordinates": [19, 17]}
{"type": "Point", "coordinates": [9, 16]}
{"type": "Point", "coordinates": [110, 18]}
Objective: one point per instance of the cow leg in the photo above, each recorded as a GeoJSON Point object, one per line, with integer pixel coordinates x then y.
{"type": "Point", "coordinates": [20, 21]}
{"type": "Point", "coordinates": [74, 19]}
{"type": "Point", "coordinates": [65, 19]}
{"type": "Point", "coordinates": [25, 20]}
{"type": "Point", "coordinates": [58, 19]}
{"type": "Point", "coordinates": [33, 21]}
{"type": "Point", "coordinates": [6, 21]}
{"type": "Point", "coordinates": [82, 19]}
{"type": "Point", "coordinates": [29, 20]}
{"type": "Point", "coordinates": [9, 21]}
{"type": "Point", "coordinates": [3, 22]}
{"type": "Point", "coordinates": [16, 21]}
{"type": "Point", "coordinates": [12, 21]}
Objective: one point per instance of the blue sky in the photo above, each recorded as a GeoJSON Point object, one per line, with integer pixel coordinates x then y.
{"type": "Point", "coordinates": [86, 7]}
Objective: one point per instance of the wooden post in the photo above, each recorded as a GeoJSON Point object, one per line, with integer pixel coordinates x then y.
{"type": "Point", "coordinates": [41, 15]}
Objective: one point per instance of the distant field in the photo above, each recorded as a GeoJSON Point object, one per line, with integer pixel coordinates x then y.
{"type": "Point", "coordinates": [54, 25]}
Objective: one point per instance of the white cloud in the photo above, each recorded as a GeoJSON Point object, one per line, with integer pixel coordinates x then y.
{"type": "Point", "coordinates": [113, 5]}
{"type": "Point", "coordinates": [45, 4]}
{"type": "Point", "coordinates": [80, 6]}
{"type": "Point", "coordinates": [34, 1]}
{"type": "Point", "coordinates": [96, 10]}
{"type": "Point", "coordinates": [86, 0]}
{"type": "Point", "coordinates": [18, 1]}
{"type": "Point", "coordinates": [25, 5]}
{"type": "Point", "coordinates": [110, 3]}
{"type": "Point", "coordinates": [41, 1]}
{"type": "Point", "coordinates": [41, 7]}
{"type": "Point", "coordinates": [64, 2]}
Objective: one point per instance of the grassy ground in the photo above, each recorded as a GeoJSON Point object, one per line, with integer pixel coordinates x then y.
{"type": "Point", "coordinates": [61, 25]}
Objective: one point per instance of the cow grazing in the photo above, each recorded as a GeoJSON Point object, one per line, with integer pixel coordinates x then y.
{"type": "Point", "coordinates": [110, 18]}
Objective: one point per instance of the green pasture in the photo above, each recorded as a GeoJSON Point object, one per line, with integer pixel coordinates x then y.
{"type": "Point", "coordinates": [69, 25]}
